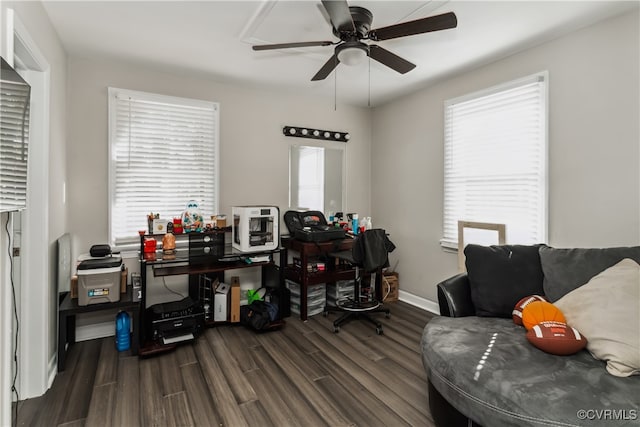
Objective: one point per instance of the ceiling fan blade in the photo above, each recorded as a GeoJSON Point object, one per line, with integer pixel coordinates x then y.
{"type": "Point", "coordinates": [391, 60]}
{"type": "Point", "coordinates": [419, 26]}
{"type": "Point", "coordinates": [340, 15]}
{"type": "Point", "coordinates": [326, 69]}
{"type": "Point", "coordinates": [289, 45]}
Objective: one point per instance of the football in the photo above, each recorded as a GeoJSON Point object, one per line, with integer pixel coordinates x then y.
{"type": "Point", "coordinates": [540, 311]}
{"type": "Point", "coordinates": [556, 338]}
{"type": "Point", "coordinates": [517, 310]}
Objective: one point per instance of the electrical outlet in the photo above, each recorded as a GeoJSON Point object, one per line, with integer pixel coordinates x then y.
{"type": "Point", "coordinates": [16, 252]}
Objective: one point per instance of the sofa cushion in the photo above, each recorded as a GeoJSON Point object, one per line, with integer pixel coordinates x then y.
{"type": "Point", "coordinates": [566, 269]}
{"type": "Point", "coordinates": [489, 372]}
{"type": "Point", "coordinates": [499, 276]}
{"type": "Point", "coordinates": [607, 311]}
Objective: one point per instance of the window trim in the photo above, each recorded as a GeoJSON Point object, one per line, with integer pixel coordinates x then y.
{"type": "Point", "coordinates": [452, 245]}
{"type": "Point", "coordinates": [113, 92]}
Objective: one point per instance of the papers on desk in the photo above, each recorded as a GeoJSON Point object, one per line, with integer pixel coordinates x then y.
{"type": "Point", "coordinates": [259, 258]}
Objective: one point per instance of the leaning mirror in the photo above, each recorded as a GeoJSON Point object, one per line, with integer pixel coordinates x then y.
{"type": "Point", "coordinates": [316, 178]}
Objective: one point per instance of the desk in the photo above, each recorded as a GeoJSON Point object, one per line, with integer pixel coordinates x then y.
{"type": "Point", "coordinates": [181, 264]}
{"type": "Point", "coordinates": [308, 251]}
{"type": "Point", "coordinates": [67, 321]}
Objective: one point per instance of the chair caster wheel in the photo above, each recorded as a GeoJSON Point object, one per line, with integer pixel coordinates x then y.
{"type": "Point", "coordinates": [388, 315]}
{"type": "Point", "coordinates": [336, 329]}
{"type": "Point", "coordinates": [379, 331]}
{"type": "Point", "coordinates": [325, 313]}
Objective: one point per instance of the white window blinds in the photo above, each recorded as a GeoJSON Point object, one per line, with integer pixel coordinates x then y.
{"type": "Point", "coordinates": [163, 153]}
{"type": "Point", "coordinates": [495, 160]}
{"type": "Point", "coordinates": [14, 145]}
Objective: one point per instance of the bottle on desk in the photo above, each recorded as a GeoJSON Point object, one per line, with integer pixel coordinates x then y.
{"type": "Point", "coordinates": [354, 226]}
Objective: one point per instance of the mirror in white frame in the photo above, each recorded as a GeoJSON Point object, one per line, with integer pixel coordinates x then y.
{"type": "Point", "coordinates": [316, 178]}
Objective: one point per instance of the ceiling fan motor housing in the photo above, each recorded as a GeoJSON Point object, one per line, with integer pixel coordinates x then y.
{"type": "Point", "coordinates": [362, 20]}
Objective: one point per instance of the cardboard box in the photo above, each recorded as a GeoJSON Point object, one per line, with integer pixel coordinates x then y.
{"type": "Point", "coordinates": [221, 303]}
{"type": "Point", "coordinates": [394, 284]}
{"type": "Point", "coordinates": [235, 300]}
{"type": "Point", "coordinates": [74, 286]}
{"type": "Point", "coordinates": [123, 281]}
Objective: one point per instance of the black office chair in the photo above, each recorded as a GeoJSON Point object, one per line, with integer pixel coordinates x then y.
{"type": "Point", "coordinates": [370, 253]}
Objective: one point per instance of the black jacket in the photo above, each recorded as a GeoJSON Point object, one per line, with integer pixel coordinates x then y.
{"type": "Point", "coordinates": [371, 249]}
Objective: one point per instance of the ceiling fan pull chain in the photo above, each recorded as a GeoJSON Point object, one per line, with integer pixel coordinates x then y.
{"type": "Point", "coordinates": [369, 94]}
{"type": "Point", "coordinates": [335, 86]}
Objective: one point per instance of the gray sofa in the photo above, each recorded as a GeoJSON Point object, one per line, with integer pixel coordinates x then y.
{"type": "Point", "coordinates": [483, 371]}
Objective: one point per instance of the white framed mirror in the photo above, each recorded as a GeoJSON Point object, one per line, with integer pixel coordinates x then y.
{"type": "Point", "coordinates": [316, 177]}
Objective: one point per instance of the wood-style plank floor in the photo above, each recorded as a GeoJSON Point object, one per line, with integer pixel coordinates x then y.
{"type": "Point", "coordinates": [302, 375]}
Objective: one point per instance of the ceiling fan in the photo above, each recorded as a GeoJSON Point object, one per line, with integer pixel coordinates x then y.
{"type": "Point", "coordinates": [352, 25]}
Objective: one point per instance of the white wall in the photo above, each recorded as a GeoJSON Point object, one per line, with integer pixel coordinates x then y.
{"type": "Point", "coordinates": [594, 182]}
{"type": "Point", "coordinates": [253, 151]}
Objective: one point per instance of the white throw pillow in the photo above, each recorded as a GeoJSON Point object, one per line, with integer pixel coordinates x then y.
{"type": "Point", "coordinates": [606, 310]}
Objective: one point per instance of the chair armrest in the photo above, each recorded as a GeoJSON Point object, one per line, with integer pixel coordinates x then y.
{"type": "Point", "coordinates": [454, 297]}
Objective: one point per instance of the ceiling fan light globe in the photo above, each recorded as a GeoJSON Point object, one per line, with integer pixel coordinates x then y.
{"type": "Point", "coordinates": [352, 55]}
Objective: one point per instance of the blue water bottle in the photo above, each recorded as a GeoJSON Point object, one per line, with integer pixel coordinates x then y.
{"type": "Point", "coordinates": [122, 331]}
{"type": "Point", "coordinates": [355, 226]}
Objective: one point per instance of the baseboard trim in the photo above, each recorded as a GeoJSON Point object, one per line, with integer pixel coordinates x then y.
{"type": "Point", "coordinates": [420, 302]}
{"type": "Point", "coordinates": [52, 369]}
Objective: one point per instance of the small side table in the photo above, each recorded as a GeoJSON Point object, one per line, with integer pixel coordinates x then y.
{"type": "Point", "coordinates": [67, 321]}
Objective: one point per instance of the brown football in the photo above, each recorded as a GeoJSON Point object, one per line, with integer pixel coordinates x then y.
{"type": "Point", "coordinates": [556, 338]}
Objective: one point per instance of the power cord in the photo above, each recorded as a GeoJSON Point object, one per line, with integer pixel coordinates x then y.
{"type": "Point", "coordinates": [14, 390]}
{"type": "Point", "coordinates": [388, 287]}
{"type": "Point", "coordinates": [164, 283]}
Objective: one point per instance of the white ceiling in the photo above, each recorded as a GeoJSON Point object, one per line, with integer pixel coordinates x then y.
{"type": "Point", "coordinates": [214, 38]}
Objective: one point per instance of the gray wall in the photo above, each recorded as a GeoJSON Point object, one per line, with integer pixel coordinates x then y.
{"type": "Point", "coordinates": [594, 183]}
{"type": "Point", "coordinates": [254, 154]}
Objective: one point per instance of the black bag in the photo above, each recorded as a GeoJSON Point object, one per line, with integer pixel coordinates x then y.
{"type": "Point", "coordinates": [98, 251]}
{"type": "Point", "coordinates": [281, 298]}
{"type": "Point", "coordinates": [311, 226]}
{"type": "Point", "coordinates": [257, 315]}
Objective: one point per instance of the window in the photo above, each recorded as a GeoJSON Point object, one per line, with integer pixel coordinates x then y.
{"type": "Point", "coordinates": [495, 160]}
{"type": "Point", "coordinates": [15, 100]}
{"type": "Point", "coordinates": [163, 152]}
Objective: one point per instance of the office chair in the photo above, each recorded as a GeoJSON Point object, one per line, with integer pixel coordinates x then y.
{"type": "Point", "coordinates": [369, 254]}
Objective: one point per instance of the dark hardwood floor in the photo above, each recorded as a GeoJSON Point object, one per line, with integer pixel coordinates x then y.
{"type": "Point", "coordinates": [302, 375]}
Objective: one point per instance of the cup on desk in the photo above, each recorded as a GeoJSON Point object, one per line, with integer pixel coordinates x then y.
{"type": "Point", "coordinates": [150, 245]}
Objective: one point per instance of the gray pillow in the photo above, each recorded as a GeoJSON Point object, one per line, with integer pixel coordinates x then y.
{"type": "Point", "coordinates": [567, 269]}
